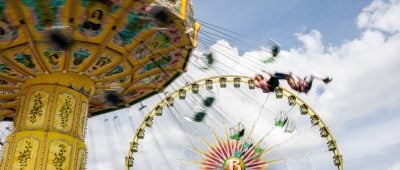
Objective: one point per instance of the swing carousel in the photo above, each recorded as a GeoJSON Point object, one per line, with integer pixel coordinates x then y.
{"type": "Point", "coordinates": [225, 122]}
{"type": "Point", "coordinates": [60, 59]}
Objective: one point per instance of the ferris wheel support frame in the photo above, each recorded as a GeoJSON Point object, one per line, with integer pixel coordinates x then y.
{"type": "Point", "coordinates": [236, 80]}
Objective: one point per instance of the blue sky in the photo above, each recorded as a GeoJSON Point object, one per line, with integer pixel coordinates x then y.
{"type": "Point", "coordinates": [281, 19]}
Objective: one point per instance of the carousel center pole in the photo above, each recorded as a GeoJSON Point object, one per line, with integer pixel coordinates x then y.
{"type": "Point", "coordinates": [49, 128]}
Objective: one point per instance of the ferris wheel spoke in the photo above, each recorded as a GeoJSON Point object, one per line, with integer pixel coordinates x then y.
{"type": "Point", "coordinates": [188, 119]}
{"type": "Point", "coordinates": [298, 156]}
{"type": "Point", "coordinates": [248, 153]}
{"type": "Point", "coordinates": [222, 114]}
{"type": "Point", "coordinates": [289, 110]}
{"type": "Point", "coordinates": [224, 150]}
{"type": "Point", "coordinates": [218, 110]}
{"type": "Point", "coordinates": [217, 153]}
{"type": "Point", "coordinates": [172, 138]}
{"type": "Point", "coordinates": [167, 157]}
{"type": "Point", "coordinates": [286, 140]}
{"type": "Point", "coordinates": [248, 96]}
{"type": "Point", "coordinates": [159, 146]}
{"type": "Point", "coordinates": [225, 122]}
{"type": "Point", "coordinates": [184, 123]}
{"type": "Point", "coordinates": [213, 120]}
{"type": "Point", "coordinates": [214, 134]}
{"type": "Point", "coordinates": [258, 117]}
{"type": "Point", "coordinates": [175, 113]}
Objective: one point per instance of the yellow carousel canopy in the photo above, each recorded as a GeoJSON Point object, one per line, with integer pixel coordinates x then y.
{"type": "Point", "coordinates": [129, 47]}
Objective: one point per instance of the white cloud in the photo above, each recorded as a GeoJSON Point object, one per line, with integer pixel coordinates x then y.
{"type": "Point", "coordinates": [395, 166]}
{"type": "Point", "coordinates": [381, 14]}
{"type": "Point", "coordinates": [311, 41]}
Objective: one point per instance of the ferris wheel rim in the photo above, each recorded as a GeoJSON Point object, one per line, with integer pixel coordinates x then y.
{"type": "Point", "coordinates": [229, 79]}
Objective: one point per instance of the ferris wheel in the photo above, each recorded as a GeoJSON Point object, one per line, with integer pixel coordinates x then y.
{"type": "Point", "coordinates": [225, 122]}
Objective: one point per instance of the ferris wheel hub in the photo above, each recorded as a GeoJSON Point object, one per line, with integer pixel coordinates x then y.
{"type": "Point", "coordinates": [234, 163]}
